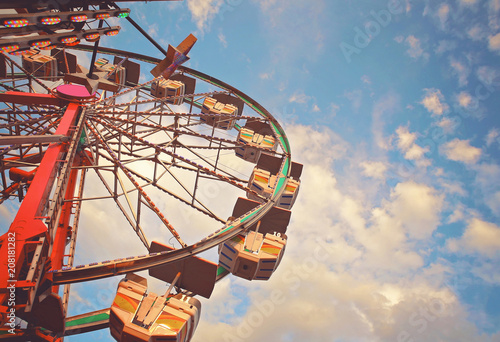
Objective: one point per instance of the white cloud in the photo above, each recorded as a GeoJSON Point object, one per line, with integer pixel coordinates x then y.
{"type": "Point", "coordinates": [489, 76]}
{"type": "Point", "coordinates": [414, 48]}
{"type": "Point", "coordinates": [448, 125]}
{"type": "Point", "coordinates": [222, 39]}
{"type": "Point", "coordinates": [418, 206]}
{"type": "Point", "coordinates": [492, 136]}
{"type": "Point", "coordinates": [153, 30]}
{"type": "Point", "coordinates": [382, 110]}
{"type": "Point", "coordinates": [487, 271]}
{"type": "Point", "coordinates": [462, 151]}
{"type": "Point", "coordinates": [464, 99]}
{"type": "Point", "coordinates": [487, 174]}
{"type": "Point", "coordinates": [374, 169]}
{"type": "Point", "coordinates": [457, 215]}
{"type": "Point", "coordinates": [310, 145]}
{"type": "Point", "coordinates": [480, 237]}
{"type": "Point", "coordinates": [495, 5]}
{"type": "Point", "coordinates": [434, 102]}
{"type": "Point", "coordinates": [493, 20]}
{"type": "Point", "coordinates": [492, 200]}
{"type": "Point", "coordinates": [468, 2]}
{"type": "Point", "coordinates": [316, 108]}
{"type": "Point", "coordinates": [334, 108]}
{"type": "Point", "coordinates": [476, 33]}
{"type": "Point", "coordinates": [408, 6]}
{"type": "Point", "coordinates": [356, 98]}
{"type": "Point", "coordinates": [445, 45]}
{"type": "Point", "coordinates": [203, 12]}
{"type": "Point", "coordinates": [299, 97]}
{"type": "Point", "coordinates": [461, 71]}
{"type": "Point", "coordinates": [266, 75]}
{"type": "Point", "coordinates": [412, 151]}
{"type": "Point", "coordinates": [353, 297]}
{"type": "Point", "coordinates": [442, 13]}
{"type": "Point", "coordinates": [454, 188]}
{"type": "Point", "coordinates": [438, 171]}
{"type": "Point", "coordinates": [369, 310]}
{"type": "Point", "coordinates": [350, 273]}
{"type": "Point", "coordinates": [305, 45]}
{"type": "Point", "coordinates": [5, 213]}
{"type": "Point", "coordinates": [487, 178]}
{"type": "Point", "coordinates": [494, 42]}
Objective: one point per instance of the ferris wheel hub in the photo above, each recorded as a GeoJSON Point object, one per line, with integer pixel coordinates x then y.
{"type": "Point", "coordinates": [74, 92]}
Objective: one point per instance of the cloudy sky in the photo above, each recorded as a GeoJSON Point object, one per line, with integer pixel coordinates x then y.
{"type": "Point", "coordinates": [392, 107]}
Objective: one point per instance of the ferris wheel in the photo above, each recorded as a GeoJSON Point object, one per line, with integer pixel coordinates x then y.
{"type": "Point", "coordinates": [73, 134]}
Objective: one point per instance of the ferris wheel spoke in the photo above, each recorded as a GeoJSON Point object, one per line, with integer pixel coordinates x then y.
{"type": "Point", "coordinates": [13, 123]}
{"type": "Point", "coordinates": [155, 128]}
{"type": "Point", "coordinates": [122, 93]}
{"type": "Point", "coordinates": [136, 217]}
{"type": "Point", "coordinates": [107, 133]}
{"type": "Point", "coordinates": [115, 197]}
{"type": "Point", "coordinates": [140, 190]}
{"type": "Point", "coordinates": [135, 220]}
{"type": "Point", "coordinates": [163, 100]}
{"type": "Point", "coordinates": [177, 132]}
{"type": "Point", "coordinates": [181, 115]}
{"type": "Point", "coordinates": [155, 183]}
{"type": "Point", "coordinates": [205, 210]}
{"type": "Point", "coordinates": [213, 165]}
{"type": "Point", "coordinates": [113, 192]}
{"type": "Point", "coordinates": [133, 127]}
{"type": "Point", "coordinates": [187, 161]}
{"type": "Point", "coordinates": [147, 115]}
{"type": "Point", "coordinates": [30, 127]}
{"type": "Point", "coordinates": [27, 148]}
{"type": "Point", "coordinates": [15, 118]}
{"type": "Point", "coordinates": [155, 146]}
{"type": "Point", "coordinates": [192, 194]}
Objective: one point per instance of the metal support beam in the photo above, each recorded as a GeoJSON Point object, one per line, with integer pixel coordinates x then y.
{"type": "Point", "coordinates": [20, 97]}
{"type": "Point", "coordinates": [28, 224]}
{"type": "Point", "coordinates": [33, 139]}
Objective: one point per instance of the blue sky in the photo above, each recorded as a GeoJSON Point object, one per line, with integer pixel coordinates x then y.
{"type": "Point", "coordinates": [392, 107]}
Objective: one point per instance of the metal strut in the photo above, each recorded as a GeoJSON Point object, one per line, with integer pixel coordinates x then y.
{"type": "Point", "coordinates": [144, 33]}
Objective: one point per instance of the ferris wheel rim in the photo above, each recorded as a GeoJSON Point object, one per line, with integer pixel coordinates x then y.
{"type": "Point", "coordinates": [229, 230]}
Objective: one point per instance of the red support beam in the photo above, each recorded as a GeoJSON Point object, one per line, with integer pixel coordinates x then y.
{"type": "Point", "coordinates": [63, 229]}
{"type": "Point", "coordinates": [28, 225]}
{"type": "Point", "coordinates": [20, 97]}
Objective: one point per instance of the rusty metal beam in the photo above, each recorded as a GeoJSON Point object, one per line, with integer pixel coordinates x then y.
{"type": "Point", "coordinates": [20, 97]}
{"type": "Point", "coordinates": [32, 139]}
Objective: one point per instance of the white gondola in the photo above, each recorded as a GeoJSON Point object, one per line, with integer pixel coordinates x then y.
{"type": "Point", "coordinates": [168, 88]}
{"type": "Point", "coordinates": [42, 66]}
{"type": "Point", "coordinates": [254, 143]}
{"type": "Point", "coordinates": [252, 256]}
{"type": "Point", "coordinates": [264, 183]}
{"type": "Point", "coordinates": [212, 106]}
{"type": "Point", "coordinates": [264, 180]}
{"type": "Point", "coordinates": [136, 315]}
{"type": "Point", "coordinates": [256, 253]}
{"type": "Point", "coordinates": [141, 316]}
{"type": "Point", "coordinates": [117, 72]}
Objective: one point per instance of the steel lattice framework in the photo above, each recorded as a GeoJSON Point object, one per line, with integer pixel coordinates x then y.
{"type": "Point", "coordinates": [136, 149]}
